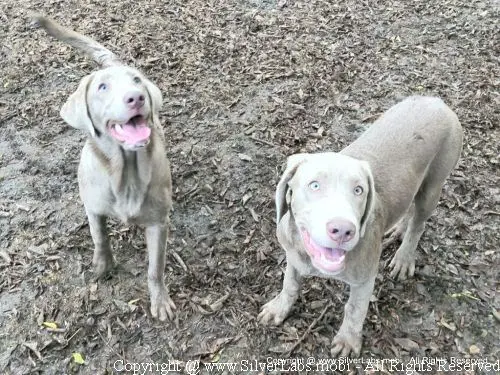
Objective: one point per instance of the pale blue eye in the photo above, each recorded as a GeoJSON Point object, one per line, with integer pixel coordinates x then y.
{"type": "Point", "coordinates": [358, 190]}
{"type": "Point", "coordinates": [314, 185]}
{"type": "Point", "coordinates": [103, 87]}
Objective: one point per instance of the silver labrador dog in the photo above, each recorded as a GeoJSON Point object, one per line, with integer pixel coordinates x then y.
{"type": "Point", "coordinates": [334, 208]}
{"type": "Point", "coordinates": [124, 171]}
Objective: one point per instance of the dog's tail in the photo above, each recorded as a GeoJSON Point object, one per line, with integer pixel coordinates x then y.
{"type": "Point", "coordinates": [99, 53]}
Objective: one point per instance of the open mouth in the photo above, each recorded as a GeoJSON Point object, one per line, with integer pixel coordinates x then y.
{"type": "Point", "coordinates": [135, 132]}
{"type": "Point", "coordinates": [325, 258]}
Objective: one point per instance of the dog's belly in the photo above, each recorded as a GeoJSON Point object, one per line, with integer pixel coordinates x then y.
{"type": "Point", "coordinates": [139, 211]}
{"type": "Point", "coordinates": [128, 211]}
{"type": "Point", "coordinates": [128, 207]}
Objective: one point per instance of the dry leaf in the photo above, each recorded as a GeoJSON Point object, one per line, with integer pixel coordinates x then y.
{"type": "Point", "coordinates": [244, 157]}
{"type": "Point", "coordinates": [246, 198]}
{"type": "Point", "coordinates": [496, 314]}
{"type": "Point", "coordinates": [451, 326]}
{"type": "Point", "coordinates": [452, 269]}
{"type": "Point", "coordinates": [281, 4]}
{"type": "Point", "coordinates": [217, 305]}
{"type": "Point", "coordinates": [5, 256]}
{"type": "Point", "coordinates": [255, 217]}
{"type": "Point", "coordinates": [407, 344]}
{"type": "Point", "coordinates": [77, 357]}
{"type": "Point", "coordinates": [282, 348]}
{"type": "Point", "coordinates": [33, 347]}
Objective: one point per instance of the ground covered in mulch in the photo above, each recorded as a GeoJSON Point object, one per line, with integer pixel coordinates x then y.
{"type": "Point", "coordinates": [246, 83]}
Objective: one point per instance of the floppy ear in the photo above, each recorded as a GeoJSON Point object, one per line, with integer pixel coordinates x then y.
{"type": "Point", "coordinates": [283, 193]}
{"type": "Point", "coordinates": [75, 111]}
{"type": "Point", "coordinates": [370, 200]}
{"type": "Point", "coordinates": [155, 97]}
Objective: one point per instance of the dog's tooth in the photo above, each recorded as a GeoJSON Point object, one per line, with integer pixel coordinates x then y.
{"type": "Point", "coordinates": [119, 129]}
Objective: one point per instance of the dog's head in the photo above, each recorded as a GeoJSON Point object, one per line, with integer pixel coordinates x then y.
{"type": "Point", "coordinates": [330, 196]}
{"type": "Point", "coordinates": [116, 102]}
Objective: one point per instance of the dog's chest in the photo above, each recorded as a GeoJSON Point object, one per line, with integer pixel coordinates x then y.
{"type": "Point", "coordinates": [129, 202]}
{"type": "Point", "coordinates": [130, 189]}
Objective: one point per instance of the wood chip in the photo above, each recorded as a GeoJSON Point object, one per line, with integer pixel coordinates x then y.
{"type": "Point", "coordinates": [407, 344]}
{"type": "Point", "coordinates": [244, 157]}
{"type": "Point", "coordinates": [33, 347]}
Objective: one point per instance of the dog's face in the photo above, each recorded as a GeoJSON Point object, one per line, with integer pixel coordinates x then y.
{"type": "Point", "coordinates": [330, 196]}
{"type": "Point", "coordinates": [116, 102]}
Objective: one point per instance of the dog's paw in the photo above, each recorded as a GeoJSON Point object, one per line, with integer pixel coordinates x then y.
{"type": "Point", "coordinates": [274, 312]}
{"type": "Point", "coordinates": [162, 305]}
{"type": "Point", "coordinates": [394, 235]}
{"type": "Point", "coordinates": [402, 265]}
{"type": "Point", "coordinates": [103, 263]}
{"type": "Point", "coordinates": [345, 344]}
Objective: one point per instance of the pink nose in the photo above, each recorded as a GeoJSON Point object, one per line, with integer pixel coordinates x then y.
{"type": "Point", "coordinates": [340, 230]}
{"type": "Point", "coordinates": [134, 99]}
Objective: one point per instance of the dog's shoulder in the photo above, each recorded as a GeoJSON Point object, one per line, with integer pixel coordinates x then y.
{"type": "Point", "coordinates": [95, 152]}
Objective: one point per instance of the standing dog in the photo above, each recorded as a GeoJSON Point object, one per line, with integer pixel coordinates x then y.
{"type": "Point", "coordinates": [334, 208]}
{"type": "Point", "coordinates": [123, 170]}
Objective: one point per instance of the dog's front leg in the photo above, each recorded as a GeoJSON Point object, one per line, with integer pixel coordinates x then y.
{"type": "Point", "coordinates": [277, 309]}
{"type": "Point", "coordinates": [349, 336]}
{"type": "Point", "coordinates": [161, 304]}
{"type": "Point", "coordinates": [103, 258]}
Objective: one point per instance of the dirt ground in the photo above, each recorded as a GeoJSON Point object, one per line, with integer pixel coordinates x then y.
{"type": "Point", "coordinates": [245, 83]}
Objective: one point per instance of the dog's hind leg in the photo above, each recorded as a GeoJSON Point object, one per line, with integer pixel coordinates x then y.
{"type": "Point", "coordinates": [403, 263]}
{"type": "Point", "coordinates": [396, 233]}
{"type": "Point", "coordinates": [425, 201]}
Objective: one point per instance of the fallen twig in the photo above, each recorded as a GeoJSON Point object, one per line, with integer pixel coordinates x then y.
{"type": "Point", "coordinates": [309, 329]}
{"type": "Point", "coordinates": [180, 261]}
{"type": "Point", "coordinates": [262, 141]}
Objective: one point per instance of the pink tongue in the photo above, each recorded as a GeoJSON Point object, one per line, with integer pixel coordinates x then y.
{"type": "Point", "coordinates": [333, 254]}
{"type": "Point", "coordinates": [131, 134]}
{"type": "Point", "coordinates": [324, 257]}
{"type": "Point", "coordinates": [135, 134]}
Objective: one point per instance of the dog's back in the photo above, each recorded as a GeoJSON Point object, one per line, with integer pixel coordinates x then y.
{"type": "Point", "coordinates": [417, 138]}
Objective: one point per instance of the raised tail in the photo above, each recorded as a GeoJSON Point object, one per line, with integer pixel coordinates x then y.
{"type": "Point", "coordinates": [99, 53]}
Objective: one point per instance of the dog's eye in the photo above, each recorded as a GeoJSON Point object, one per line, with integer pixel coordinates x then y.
{"type": "Point", "coordinates": [103, 87]}
{"type": "Point", "coordinates": [358, 190]}
{"type": "Point", "coordinates": [314, 185]}
{"type": "Point", "coordinates": [137, 80]}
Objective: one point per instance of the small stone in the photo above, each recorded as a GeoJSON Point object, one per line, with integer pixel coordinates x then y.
{"type": "Point", "coordinates": [474, 349]}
